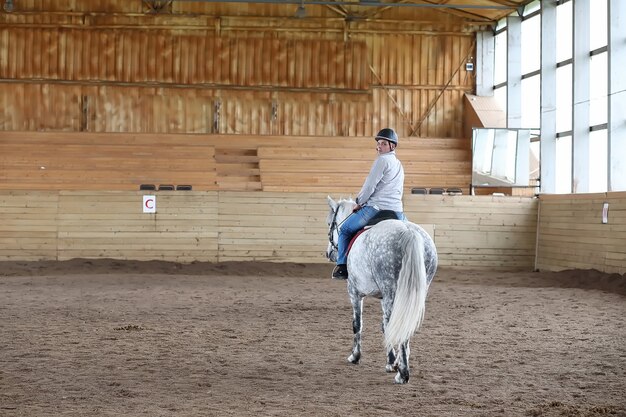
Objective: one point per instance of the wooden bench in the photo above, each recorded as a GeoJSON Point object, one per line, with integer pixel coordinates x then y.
{"type": "Point", "coordinates": [124, 161]}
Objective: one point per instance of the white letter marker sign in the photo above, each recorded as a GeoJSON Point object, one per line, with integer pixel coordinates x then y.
{"type": "Point", "coordinates": [149, 204]}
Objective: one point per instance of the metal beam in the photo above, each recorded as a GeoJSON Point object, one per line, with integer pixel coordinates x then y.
{"type": "Point", "coordinates": [364, 4]}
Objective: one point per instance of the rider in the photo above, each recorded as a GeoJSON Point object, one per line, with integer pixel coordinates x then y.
{"type": "Point", "coordinates": [382, 190]}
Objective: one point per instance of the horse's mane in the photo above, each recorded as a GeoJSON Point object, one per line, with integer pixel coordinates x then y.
{"type": "Point", "coordinates": [345, 200]}
{"type": "Point", "coordinates": [343, 207]}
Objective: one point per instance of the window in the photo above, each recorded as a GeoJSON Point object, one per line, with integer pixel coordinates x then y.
{"type": "Point", "coordinates": [531, 105]}
{"type": "Point", "coordinates": [563, 168]}
{"type": "Point", "coordinates": [598, 89]}
{"type": "Point", "coordinates": [599, 24]}
{"type": "Point", "coordinates": [500, 95]}
{"type": "Point", "coordinates": [564, 19]}
{"type": "Point", "coordinates": [531, 44]}
{"type": "Point", "coordinates": [600, 155]}
{"type": "Point", "coordinates": [564, 98]}
{"type": "Point", "coordinates": [598, 161]}
{"type": "Point", "coordinates": [499, 75]}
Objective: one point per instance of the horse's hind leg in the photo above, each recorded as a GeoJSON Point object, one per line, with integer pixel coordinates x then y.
{"type": "Point", "coordinates": [391, 365]}
{"type": "Point", "coordinates": [391, 361]}
{"type": "Point", "coordinates": [402, 377]}
{"type": "Point", "coordinates": [357, 326]}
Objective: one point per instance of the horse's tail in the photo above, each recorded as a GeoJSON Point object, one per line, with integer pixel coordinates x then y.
{"type": "Point", "coordinates": [410, 298]}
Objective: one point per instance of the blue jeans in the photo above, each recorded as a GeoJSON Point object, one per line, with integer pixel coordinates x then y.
{"type": "Point", "coordinates": [354, 223]}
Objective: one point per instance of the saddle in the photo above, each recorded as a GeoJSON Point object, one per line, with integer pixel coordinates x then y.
{"type": "Point", "coordinates": [378, 217]}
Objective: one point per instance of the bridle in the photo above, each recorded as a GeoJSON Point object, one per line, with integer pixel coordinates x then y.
{"type": "Point", "coordinates": [331, 230]}
{"type": "Point", "coordinates": [335, 226]}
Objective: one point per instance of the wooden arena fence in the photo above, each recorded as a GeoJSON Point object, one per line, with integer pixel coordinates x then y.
{"type": "Point", "coordinates": [469, 231]}
{"type": "Point", "coordinates": [572, 235]}
{"type": "Point", "coordinates": [188, 226]}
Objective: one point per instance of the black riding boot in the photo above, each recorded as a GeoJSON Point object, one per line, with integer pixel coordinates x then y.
{"type": "Point", "coordinates": [340, 272]}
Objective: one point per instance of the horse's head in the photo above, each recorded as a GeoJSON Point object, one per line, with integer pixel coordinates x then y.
{"type": "Point", "coordinates": [339, 211]}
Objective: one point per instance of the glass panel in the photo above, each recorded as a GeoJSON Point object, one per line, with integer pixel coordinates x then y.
{"type": "Point", "coordinates": [564, 31]}
{"type": "Point", "coordinates": [564, 98]}
{"type": "Point", "coordinates": [499, 75]}
{"type": "Point", "coordinates": [482, 149]}
{"type": "Point", "coordinates": [501, 24]}
{"type": "Point", "coordinates": [531, 44]}
{"type": "Point", "coordinates": [598, 161]}
{"type": "Point", "coordinates": [563, 169]}
{"type": "Point", "coordinates": [532, 7]}
{"type": "Point", "coordinates": [599, 24]}
{"type": "Point", "coordinates": [531, 105]}
{"type": "Point", "coordinates": [598, 84]}
{"type": "Point", "coordinates": [534, 155]}
{"type": "Point", "coordinates": [501, 157]}
{"type": "Point", "coordinates": [500, 95]}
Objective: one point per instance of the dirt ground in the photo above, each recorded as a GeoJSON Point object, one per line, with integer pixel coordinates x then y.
{"type": "Point", "coordinates": [110, 338]}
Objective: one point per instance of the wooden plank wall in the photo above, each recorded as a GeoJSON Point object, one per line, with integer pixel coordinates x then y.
{"type": "Point", "coordinates": [28, 225]}
{"type": "Point", "coordinates": [479, 231]}
{"type": "Point", "coordinates": [113, 225]}
{"type": "Point", "coordinates": [571, 234]}
{"type": "Point", "coordinates": [470, 232]}
{"type": "Point", "coordinates": [272, 226]}
{"type": "Point", "coordinates": [98, 161]}
{"type": "Point", "coordinates": [75, 161]}
{"type": "Point", "coordinates": [340, 165]}
{"type": "Point", "coordinates": [61, 225]}
{"type": "Point", "coordinates": [203, 67]}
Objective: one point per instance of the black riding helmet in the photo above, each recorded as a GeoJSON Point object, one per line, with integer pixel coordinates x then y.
{"type": "Point", "coordinates": [387, 134]}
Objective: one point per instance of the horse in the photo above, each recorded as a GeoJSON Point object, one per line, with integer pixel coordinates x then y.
{"type": "Point", "coordinates": [394, 261]}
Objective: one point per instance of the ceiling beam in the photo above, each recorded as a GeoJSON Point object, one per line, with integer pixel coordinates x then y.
{"type": "Point", "coordinates": [366, 3]}
{"type": "Point", "coordinates": [464, 13]}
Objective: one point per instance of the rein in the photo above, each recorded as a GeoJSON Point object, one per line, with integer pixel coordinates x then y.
{"type": "Point", "coordinates": [334, 226]}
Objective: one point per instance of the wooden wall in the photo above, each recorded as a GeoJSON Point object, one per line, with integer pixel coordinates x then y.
{"type": "Point", "coordinates": [470, 232]}
{"type": "Point", "coordinates": [65, 225]}
{"type": "Point", "coordinates": [571, 234]}
{"type": "Point", "coordinates": [201, 67]}
{"type": "Point", "coordinates": [479, 231]}
{"type": "Point", "coordinates": [100, 161]}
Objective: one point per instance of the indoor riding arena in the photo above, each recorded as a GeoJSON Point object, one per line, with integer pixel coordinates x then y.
{"type": "Point", "coordinates": [165, 167]}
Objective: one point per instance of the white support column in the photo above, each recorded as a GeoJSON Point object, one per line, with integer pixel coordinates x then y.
{"type": "Point", "coordinates": [617, 95]}
{"type": "Point", "coordinates": [548, 97]}
{"type": "Point", "coordinates": [514, 72]}
{"type": "Point", "coordinates": [485, 61]}
{"type": "Point", "coordinates": [580, 97]}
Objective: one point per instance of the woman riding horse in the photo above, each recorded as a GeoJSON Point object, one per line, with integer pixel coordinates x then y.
{"type": "Point", "coordinates": [382, 190]}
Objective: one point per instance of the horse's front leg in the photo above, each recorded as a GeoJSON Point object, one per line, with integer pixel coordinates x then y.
{"type": "Point", "coordinates": [357, 326]}
{"type": "Point", "coordinates": [404, 352]}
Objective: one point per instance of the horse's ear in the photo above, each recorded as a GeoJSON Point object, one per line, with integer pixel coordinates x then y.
{"type": "Point", "coordinates": [331, 203]}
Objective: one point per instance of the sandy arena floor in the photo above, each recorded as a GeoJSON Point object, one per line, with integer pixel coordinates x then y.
{"type": "Point", "coordinates": [109, 338]}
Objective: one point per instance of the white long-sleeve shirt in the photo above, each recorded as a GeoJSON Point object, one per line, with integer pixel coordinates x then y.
{"type": "Point", "coordinates": [384, 184]}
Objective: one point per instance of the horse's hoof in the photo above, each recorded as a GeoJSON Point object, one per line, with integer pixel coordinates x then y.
{"type": "Point", "coordinates": [354, 359]}
{"type": "Point", "coordinates": [390, 368]}
{"type": "Point", "coordinates": [400, 380]}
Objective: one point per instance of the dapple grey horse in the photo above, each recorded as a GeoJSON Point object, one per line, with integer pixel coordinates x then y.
{"type": "Point", "coordinates": [394, 261]}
